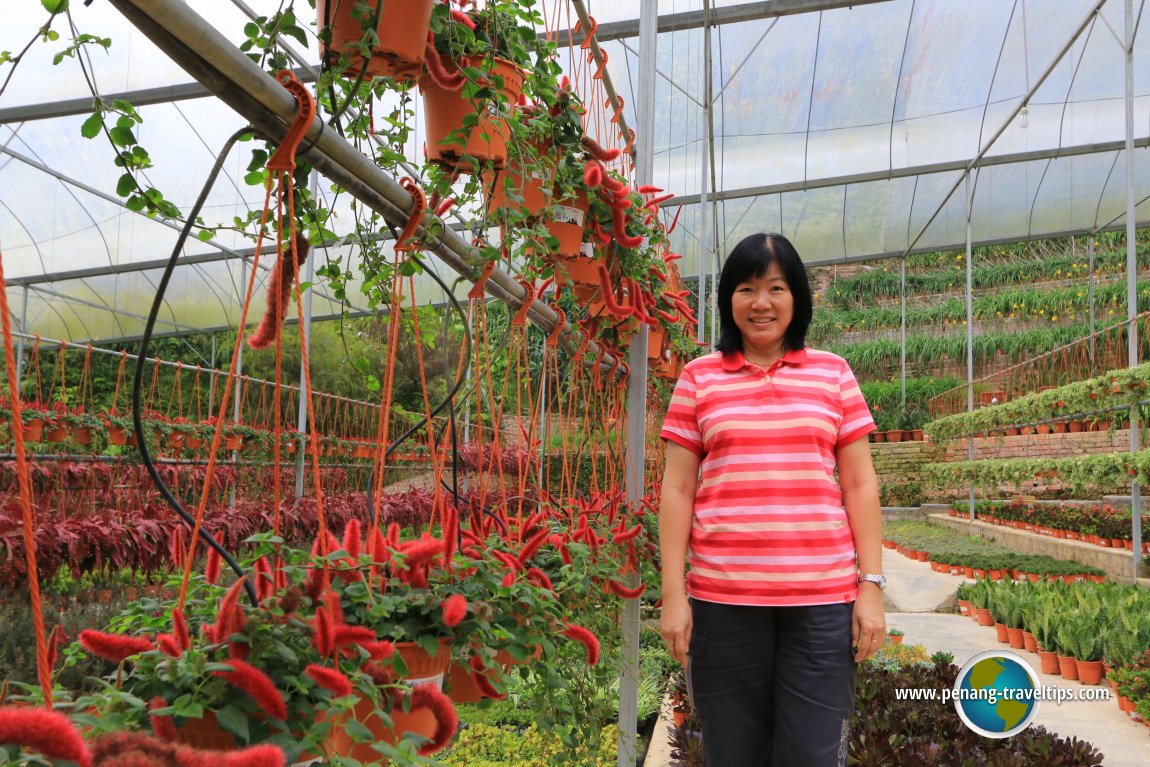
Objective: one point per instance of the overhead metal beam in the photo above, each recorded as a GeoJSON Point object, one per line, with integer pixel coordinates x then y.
{"type": "Point", "coordinates": [908, 172]}
{"type": "Point", "coordinates": [137, 98]}
{"type": "Point", "coordinates": [864, 257]}
{"type": "Point", "coordinates": [618, 30]}
{"type": "Point", "coordinates": [731, 14]}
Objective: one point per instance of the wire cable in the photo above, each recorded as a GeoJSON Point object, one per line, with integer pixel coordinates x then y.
{"type": "Point", "coordinates": [138, 377]}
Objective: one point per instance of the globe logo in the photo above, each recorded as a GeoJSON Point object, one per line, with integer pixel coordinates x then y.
{"type": "Point", "coordinates": [996, 694]}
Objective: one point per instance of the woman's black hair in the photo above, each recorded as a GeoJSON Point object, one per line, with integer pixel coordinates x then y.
{"type": "Point", "coordinates": [750, 259]}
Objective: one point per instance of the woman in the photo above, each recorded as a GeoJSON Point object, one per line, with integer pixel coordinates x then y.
{"type": "Point", "coordinates": [784, 591]}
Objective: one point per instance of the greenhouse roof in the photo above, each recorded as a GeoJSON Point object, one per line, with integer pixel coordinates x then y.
{"type": "Point", "coordinates": [848, 127]}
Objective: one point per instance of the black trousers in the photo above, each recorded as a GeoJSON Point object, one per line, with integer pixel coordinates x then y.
{"type": "Point", "coordinates": [774, 686]}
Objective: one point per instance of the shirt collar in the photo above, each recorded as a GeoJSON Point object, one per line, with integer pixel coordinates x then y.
{"type": "Point", "coordinates": [735, 360]}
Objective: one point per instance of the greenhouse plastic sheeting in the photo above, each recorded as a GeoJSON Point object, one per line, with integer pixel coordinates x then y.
{"type": "Point", "coordinates": [804, 105]}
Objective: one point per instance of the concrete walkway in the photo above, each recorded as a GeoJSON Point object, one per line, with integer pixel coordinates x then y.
{"type": "Point", "coordinates": [913, 595]}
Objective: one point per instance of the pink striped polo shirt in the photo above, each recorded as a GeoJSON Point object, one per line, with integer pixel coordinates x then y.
{"type": "Point", "coordinates": [769, 525]}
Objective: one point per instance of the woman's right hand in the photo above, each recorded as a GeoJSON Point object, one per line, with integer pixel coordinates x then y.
{"type": "Point", "coordinates": [675, 625]}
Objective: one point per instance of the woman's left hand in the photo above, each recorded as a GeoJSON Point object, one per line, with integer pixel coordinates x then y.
{"type": "Point", "coordinates": [868, 623]}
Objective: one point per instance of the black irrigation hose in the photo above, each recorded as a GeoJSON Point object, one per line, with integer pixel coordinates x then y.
{"type": "Point", "coordinates": [137, 381]}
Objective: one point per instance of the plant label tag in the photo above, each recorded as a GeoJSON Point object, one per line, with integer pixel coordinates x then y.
{"type": "Point", "coordinates": [436, 680]}
{"type": "Point", "coordinates": [587, 250]}
{"type": "Point", "coordinates": [565, 214]}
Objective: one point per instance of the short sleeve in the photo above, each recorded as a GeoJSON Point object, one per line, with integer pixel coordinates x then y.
{"type": "Point", "coordinates": [682, 423]}
{"type": "Point", "coordinates": [857, 420]}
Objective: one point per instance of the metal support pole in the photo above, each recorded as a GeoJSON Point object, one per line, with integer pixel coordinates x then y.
{"type": "Point", "coordinates": [1090, 293]}
{"type": "Point", "coordinates": [305, 339]}
{"type": "Point", "coordinates": [969, 340]}
{"type": "Point", "coordinates": [636, 462]}
{"type": "Point", "coordinates": [20, 340]}
{"type": "Point", "coordinates": [1132, 282]}
{"type": "Point", "coordinates": [239, 387]}
{"type": "Point", "coordinates": [902, 331]}
{"type": "Point", "coordinates": [706, 256]}
{"type": "Point", "coordinates": [212, 386]}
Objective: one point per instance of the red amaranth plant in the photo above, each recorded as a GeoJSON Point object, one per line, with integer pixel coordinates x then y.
{"type": "Point", "coordinates": [113, 647]}
{"type": "Point", "coordinates": [48, 733]}
{"type": "Point", "coordinates": [258, 685]}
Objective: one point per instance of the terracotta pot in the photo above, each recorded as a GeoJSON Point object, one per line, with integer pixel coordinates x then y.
{"type": "Point", "coordinates": [582, 275]}
{"type": "Point", "coordinates": [422, 668]}
{"type": "Point", "coordinates": [448, 142]}
{"type": "Point", "coordinates": [996, 575]}
{"type": "Point", "coordinates": [1026, 431]}
{"type": "Point", "coordinates": [193, 443]}
{"type": "Point", "coordinates": [205, 734]}
{"type": "Point", "coordinates": [1043, 428]}
{"type": "Point", "coordinates": [401, 29]}
{"type": "Point", "coordinates": [117, 435]}
{"type": "Point", "coordinates": [1012, 431]}
{"type": "Point", "coordinates": [34, 430]}
{"type": "Point", "coordinates": [1029, 643]}
{"type": "Point", "coordinates": [894, 435]}
{"type": "Point", "coordinates": [461, 686]}
{"type": "Point", "coordinates": [1074, 427]}
{"type": "Point", "coordinates": [1058, 427]}
{"type": "Point", "coordinates": [888, 544]}
{"type": "Point", "coordinates": [916, 435]}
{"type": "Point", "coordinates": [879, 436]}
{"type": "Point", "coordinates": [567, 225]}
{"type": "Point", "coordinates": [1068, 667]}
{"type": "Point", "coordinates": [922, 556]}
{"type": "Point", "coordinates": [894, 638]}
{"type": "Point", "coordinates": [1000, 632]}
{"type": "Point", "coordinates": [1089, 671]}
{"type": "Point", "coordinates": [968, 571]}
{"type": "Point", "coordinates": [1048, 661]}
{"type": "Point", "coordinates": [964, 608]}
{"type": "Point", "coordinates": [82, 435]}
{"type": "Point", "coordinates": [532, 187]}
{"type": "Point", "coordinates": [1125, 705]}
{"type": "Point", "coordinates": [978, 572]}
{"type": "Point", "coordinates": [233, 441]}
{"type": "Point", "coordinates": [1014, 637]}
{"type": "Point", "coordinates": [54, 434]}
{"type": "Point", "coordinates": [983, 616]}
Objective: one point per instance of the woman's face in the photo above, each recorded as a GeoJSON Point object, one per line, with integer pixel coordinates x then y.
{"type": "Point", "coordinates": [763, 308]}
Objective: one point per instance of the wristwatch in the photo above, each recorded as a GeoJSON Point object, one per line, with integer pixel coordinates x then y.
{"type": "Point", "coordinates": [872, 578]}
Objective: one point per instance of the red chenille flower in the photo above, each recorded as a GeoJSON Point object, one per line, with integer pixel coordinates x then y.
{"type": "Point", "coordinates": [454, 609]}
{"type": "Point", "coordinates": [113, 647]}
{"type": "Point", "coordinates": [589, 641]}
{"type": "Point", "coordinates": [256, 684]}
{"type": "Point", "coordinates": [446, 720]}
{"type": "Point", "coordinates": [46, 732]}
{"type": "Point", "coordinates": [330, 679]}
{"type": "Point", "coordinates": [162, 726]}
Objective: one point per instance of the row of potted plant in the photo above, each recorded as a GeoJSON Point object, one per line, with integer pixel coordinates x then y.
{"type": "Point", "coordinates": [897, 435]}
{"type": "Point", "coordinates": [351, 647]}
{"type": "Point", "coordinates": [1085, 475]}
{"type": "Point", "coordinates": [1101, 524]}
{"type": "Point", "coordinates": [1119, 389]}
{"type": "Point", "coordinates": [950, 552]}
{"type": "Point", "coordinates": [1078, 631]}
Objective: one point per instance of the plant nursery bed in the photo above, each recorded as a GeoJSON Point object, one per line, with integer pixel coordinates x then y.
{"type": "Point", "coordinates": [1115, 562]}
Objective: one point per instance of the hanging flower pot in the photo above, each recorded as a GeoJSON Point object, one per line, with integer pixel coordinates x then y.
{"type": "Point", "coordinates": [117, 435]}
{"type": "Point", "coordinates": [531, 184]}
{"type": "Point", "coordinates": [82, 435]}
{"type": "Point", "coordinates": [567, 225]}
{"type": "Point", "coordinates": [33, 430]}
{"type": "Point", "coordinates": [55, 433]}
{"type": "Point", "coordinates": [401, 30]}
{"type": "Point", "coordinates": [233, 441]}
{"type": "Point", "coordinates": [462, 132]}
{"type": "Point", "coordinates": [581, 274]}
